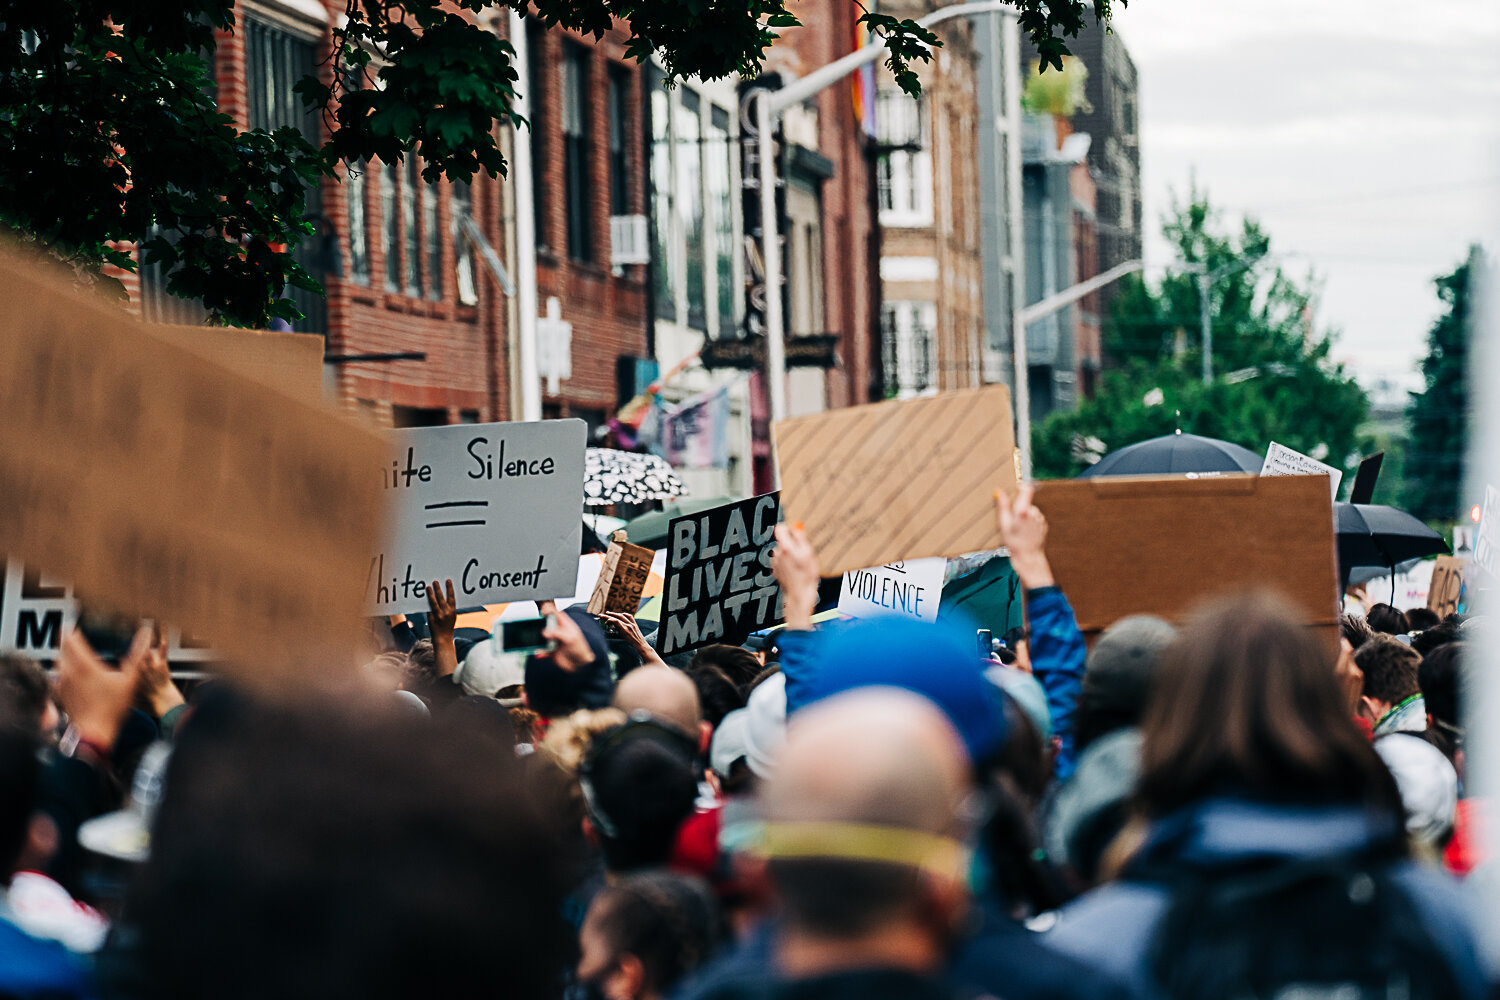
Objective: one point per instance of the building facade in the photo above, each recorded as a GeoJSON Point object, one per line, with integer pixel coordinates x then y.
{"type": "Point", "coordinates": [933, 324]}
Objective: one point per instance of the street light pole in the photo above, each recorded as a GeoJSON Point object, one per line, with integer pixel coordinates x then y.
{"type": "Point", "coordinates": [769, 106]}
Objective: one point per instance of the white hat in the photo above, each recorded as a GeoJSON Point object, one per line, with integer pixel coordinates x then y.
{"type": "Point", "coordinates": [765, 724]}
{"type": "Point", "coordinates": [729, 743]}
{"type": "Point", "coordinates": [126, 833]}
{"type": "Point", "coordinates": [487, 670]}
{"type": "Point", "coordinates": [1427, 782]}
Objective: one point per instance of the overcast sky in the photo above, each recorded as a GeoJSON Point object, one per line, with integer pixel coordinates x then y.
{"type": "Point", "coordinates": [1364, 135]}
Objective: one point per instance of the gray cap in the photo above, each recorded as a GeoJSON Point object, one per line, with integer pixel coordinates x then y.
{"type": "Point", "coordinates": [1118, 675]}
{"type": "Point", "coordinates": [1090, 809]}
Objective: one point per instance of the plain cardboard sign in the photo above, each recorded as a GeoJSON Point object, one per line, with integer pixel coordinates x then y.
{"type": "Point", "coordinates": [909, 589]}
{"type": "Point", "coordinates": [1123, 546]}
{"type": "Point", "coordinates": [901, 480]}
{"type": "Point", "coordinates": [719, 585]}
{"type": "Point", "coordinates": [1447, 588]}
{"type": "Point", "coordinates": [287, 362]}
{"type": "Point", "coordinates": [166, 486]}
{"type": "Point", "coordinates": [622, 578]}
{"type": "Point", "coordinates": [496, 508]}
{"type": "Point", "coordinates": [1283, 461]}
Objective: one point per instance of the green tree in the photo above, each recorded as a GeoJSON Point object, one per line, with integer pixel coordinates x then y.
{"type": "Point", "coordinates": [1439, 415]}
{"type": "Point", "coordinates": [110, 134]}
{"type": "Point", "coordinates": [1274, 378]}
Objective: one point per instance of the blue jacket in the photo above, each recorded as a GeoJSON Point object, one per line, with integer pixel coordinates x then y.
{"type": "Point", "coordinates": [31, 967]}
{"type": "Point", "coordinates": [1113, 925]}
{"type": "Point", "coordinates": [1057, 660]}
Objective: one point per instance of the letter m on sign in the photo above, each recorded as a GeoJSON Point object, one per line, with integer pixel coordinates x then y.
{"type": "Point", "coordinates": [39, 629]}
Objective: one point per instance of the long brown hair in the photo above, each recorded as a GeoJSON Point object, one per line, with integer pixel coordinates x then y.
{"type": "Point", "coordinates": [1246, 702]}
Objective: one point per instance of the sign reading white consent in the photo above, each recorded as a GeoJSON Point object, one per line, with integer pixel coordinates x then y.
{"type": "Point", "coordinates": [496, 508]}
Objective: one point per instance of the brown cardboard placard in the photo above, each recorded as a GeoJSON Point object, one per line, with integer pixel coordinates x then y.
{"type": "Point", "coordinates": [1161, 546]}
{"type": "Point", "coordinates": [884, 482]}
{"type": "Point", "coordinates": [164, 485]}
{"type": "Point", "coordinates": [287, 362]}
{"type": "Point", "coordinates": [1447, 586]}
{"type": "Point", "coordinates": [622, 578]}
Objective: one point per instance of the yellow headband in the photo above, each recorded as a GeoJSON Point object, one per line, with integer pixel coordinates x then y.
{"type": "Point", "coordinates": [894, 845]}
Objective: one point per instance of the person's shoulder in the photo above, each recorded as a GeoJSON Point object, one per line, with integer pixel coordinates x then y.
{"type": "Point", "coordinates": [1008, 960]}
{"type": "Point", "coordinates": [1450, 914]}
{"type": "Point", "coordinates": [739, 973]}
{"type": "Point", "coordinates": [1109, 927]}
{"type": "Point", "coordinates": [32, 966]}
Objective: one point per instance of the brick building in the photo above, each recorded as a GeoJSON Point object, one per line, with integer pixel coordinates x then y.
{"type": "Point", "coordinates": [933, 323]}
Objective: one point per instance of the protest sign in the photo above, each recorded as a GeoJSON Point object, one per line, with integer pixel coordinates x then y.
{"type": "Point", "coordinates": [1283, 461]}
{"type": "Point", "coordinates": [887, 482]}
{"type": "Point", "coordinates": [1445, 595]}
{"type": "Point", "coordinates": [911, 589]}
{"type": "Point", "coordinates": [496, 508]}
{"type": "Point", "coordinates": [719, 584]}
{"type": "Point", "coordinates": [287, 362]}
{"type": "Point", "coordinates": [622, 578]}
{"type": "Point", "coordinates": [164, 485]}
{"type": "Point", "coordinates": [1162, 546]}
{"type": "Point", "coordinates": [1487, 543]}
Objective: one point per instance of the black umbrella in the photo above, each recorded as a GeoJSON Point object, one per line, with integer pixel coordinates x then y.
{"type": "Point", "coordinates": [1175, 454]}
{"type": "Point", "coordinates": [1377, 535]}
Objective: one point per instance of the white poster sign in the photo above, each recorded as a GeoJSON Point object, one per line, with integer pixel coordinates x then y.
{"type": "Point", "coordinates": [496, 508]}
{"type": "Point", "coordinates": [1283, 461]}
{"type": "Point", "coordinates": [911, 588]}
{"type": "Point", "coordinates": [1487, 544]}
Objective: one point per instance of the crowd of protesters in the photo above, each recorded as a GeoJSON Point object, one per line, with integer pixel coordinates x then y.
{"type": "Point", "coordinates": [1225, 808]}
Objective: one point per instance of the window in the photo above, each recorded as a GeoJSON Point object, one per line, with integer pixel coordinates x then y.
{"type": "Point", "coordinates": [392, 229]}
{"type": "Point", "coordinates": [689, 149]}
{"type": "Point", "coordinates": [411, 243]}
{"type": "Point", "coordinates": [536, 104]}
{"type": "Point", "coordinates": [619, 130]}
{"type": "Point", "coordinates": [906, 347]}
{"type": "Point", "coordinates": [717, 153]}
{"type": "Point", "coordinates": [359, 246]}
{"type": "Point", "coordinates": [663, 211]}
{"type": "Point", "coordinates": [903, 176]}
{"type": "Point", "coordinates": [432, 235]}
{"type": "Point", "coordinates": [463, 250]}
{"type": "Point", "coordinates": [575, 127]}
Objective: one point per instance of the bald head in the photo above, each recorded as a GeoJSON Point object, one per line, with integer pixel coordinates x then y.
{"type": "Point", "coordinates": [662, 693]}
{"type": "Point", "coordinates": [880, 756]}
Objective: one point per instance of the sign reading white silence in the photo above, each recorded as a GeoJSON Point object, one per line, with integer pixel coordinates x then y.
{"type": "Point", "coordinates": [911, 588]}
{"type": "Point", "coordinates": [496, 508]}
{"type": "Point", "coordinates": [1283, 461]}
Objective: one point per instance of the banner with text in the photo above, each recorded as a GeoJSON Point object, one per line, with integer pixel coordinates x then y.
{"type": "Point", "coordinates": [622, 577]}
{"type": "Point", "coordinates": [1447, 595]}
{"type": "Point", "coordinates": [719, 585]}
{"type": "Point", "coordinates": [1283, 461]}
{"type": "Point", "coordinates": [496, 508]}
{"type": "Point", "coordinates": [1487, 543]}
{"type": "Point", "coordinates": [911, 589]}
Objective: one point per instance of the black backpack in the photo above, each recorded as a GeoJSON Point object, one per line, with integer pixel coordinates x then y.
{"type": "Point", "coordinates": [1336, 927]}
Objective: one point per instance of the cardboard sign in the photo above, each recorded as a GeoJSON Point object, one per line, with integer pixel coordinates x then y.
{"type": "Point", "coordinates": [1123, 546]}
{"type": "Point", "coordinates": [166, 486]}
{"type": "Point", "coordinates": [1445, 595]}
{"type": "Point", "coordinates": [1283, 461]}
{"type": "Point", "coordinates": [719, 584]}
{"type": "Point", "coordinates": [1487, 543]}
{"type": "Point", "coordinates": [496, 508]}
{"type": "Point", "coordinates": [622, 578]}
{"type": "Point", "coordinates": [903, 480]}
{"type": "Point", "coordinates": [910, 589]}
{"type": "Point", "coordinates": [287, 362]}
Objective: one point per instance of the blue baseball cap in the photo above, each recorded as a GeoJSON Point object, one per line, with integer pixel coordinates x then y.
{"type": "Point", "coordinates": [938, 662]}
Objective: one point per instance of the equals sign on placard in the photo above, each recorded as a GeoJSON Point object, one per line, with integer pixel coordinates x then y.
{"type": "Point", "coordinates": [459, 508]}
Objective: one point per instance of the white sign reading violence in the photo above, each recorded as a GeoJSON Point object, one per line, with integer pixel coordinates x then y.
{"type": "Point", "coordinates": [1283, 461]}
{"type": "Point", "coordinates": [911, 588]}
{"type": "Point", "coordinates": [496, 508]}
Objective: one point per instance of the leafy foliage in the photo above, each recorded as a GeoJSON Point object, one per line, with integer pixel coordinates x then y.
{"type": "Point", "coordinates": [1439, 414]}
{"type": "Point", "coordinates": [1274, 376]}
{"type": "Point", "coordinates": [112, 137]}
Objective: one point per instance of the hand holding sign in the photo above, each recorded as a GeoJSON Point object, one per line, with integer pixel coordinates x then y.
{"type": "Point", "coordinates": [1024, 530]}
{"type": "Point", "coordinates": [795, 564]}
{"type": "Point", "coordinates": [95, 695]}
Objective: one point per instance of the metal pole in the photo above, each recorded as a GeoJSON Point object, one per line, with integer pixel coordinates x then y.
{"type": "Point", "coordinates": [1015, 207]}
{"type": "Point", "coordinates": [1071, 294]}
{"type": "Point", "coordinates": [1206, 328]}
{"type": "Point", "coordinates": [521, 167]}
{"type": "Point", "coordinates": [770, 255]}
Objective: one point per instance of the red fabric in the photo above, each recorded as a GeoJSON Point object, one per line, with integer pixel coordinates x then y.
{"type": "Point", "coordinates": [697, 848]}
{"type": "Point", "coordinates": [1365, 726]}
{"type": "Point", "coordinates": [1466, 850]}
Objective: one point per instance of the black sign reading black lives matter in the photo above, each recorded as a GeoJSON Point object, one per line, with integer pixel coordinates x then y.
{"type": "Point", "coordinates": [719, 585]}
